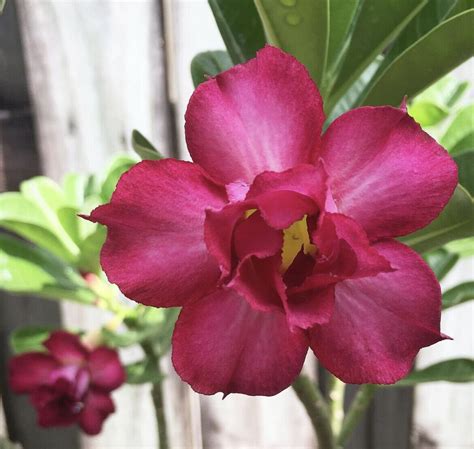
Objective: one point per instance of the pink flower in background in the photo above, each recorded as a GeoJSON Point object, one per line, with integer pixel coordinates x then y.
{"type": "Point", "coordinates": [277, 239]}
{"type": "Point", "coordinates": [69, 383]}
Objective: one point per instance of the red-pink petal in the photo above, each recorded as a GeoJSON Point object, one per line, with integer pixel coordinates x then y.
{"type": "Point", "coordinates": [97, 407]}
{"type": "Point", "coordinates": [155, 250]}
{"type": "Point", "coordinates": [266, 114]}
{"type": "Point", "coordinates": [345, 248]}
{"type": "Point", "coordinates": [107, 373]}
{"type": "Point", "coordinates": [66, 348]}
{"type": "Point", "coordinates": [220, 344]}
{"type": "Point", "coordinates": [260, 283]}
{"type": "Point", "coordinates": [31, 370]}
{"type": "Point", "coordinates": [385, 172]}
{"type": "Point", "coordinates": [380, 323]}
{"type": "Point", "coordinates": [56, 414]}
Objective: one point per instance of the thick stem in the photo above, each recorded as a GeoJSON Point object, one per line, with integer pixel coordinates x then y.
{"type": "Point", "coordinates": [336, 403]}
{"type": "Point", "coordinates": [317, 410]}
{"type": "Point", "coordinates": [157, 397]}
{"type": "Point", "coordinates": [357, 409]}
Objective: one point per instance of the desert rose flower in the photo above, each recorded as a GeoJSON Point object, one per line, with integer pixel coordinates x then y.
{"type": "Point", "coordinates": [69, 383]}
{"type": "Point", "coordinates": [278, 238]}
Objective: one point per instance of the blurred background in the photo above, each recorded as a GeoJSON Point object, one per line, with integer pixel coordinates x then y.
{"type": "Point", "coordinates": [76, 77]}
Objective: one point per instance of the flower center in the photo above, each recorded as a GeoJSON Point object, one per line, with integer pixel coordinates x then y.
{"type": "Point", "coordinates": [296, 237]}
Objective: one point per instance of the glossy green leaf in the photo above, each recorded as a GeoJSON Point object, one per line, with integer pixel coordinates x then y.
{"type": "Point", "coordinates": [455, 222]}
{"type": "Point", "coordinates": [143, 147]}
{"type": "Point", "coordinates": [25, 268]}
{"type": "Point", "coordinates": [380, 22]}
{"type": "Point", "coordinates": [428, 59]}
{"type": "Point", "coordinates": [441, 262]}
{"type": "Point", "coordinates": [343, 16]}
{"type": "Point", "coordinates": [353, 94]}
{"type": "Point", "coordinates": [2, 5]}
{"type": "Point", "coordinates": [31, 338]}
{"type": "Point", "coordinates": [459, 294]}
{"type": "Point", "coordinates": [460, 129]}
{"type": "Point", "coordinates": [461, 5]}
{"type": "Point", "coordinates": [465, 162]}
{"type": "Point", "coordinates": [427, 113]}
{"type": "Point", "coordinates": [431, 15]}
{"type": "Point", "coordinates": [240, 27]}
{"type": "Point", "coordinates": [455, 370]}
{"type": "Point", "coordinates": [301, 28]}
{"type": "Point", "coordinates": [142, 372]}
{"type": "Point", "coordinates": [208, 64]}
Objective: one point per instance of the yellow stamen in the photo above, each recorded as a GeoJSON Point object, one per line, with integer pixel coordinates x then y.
{"type": "Point", "coordinates": [295, 237]}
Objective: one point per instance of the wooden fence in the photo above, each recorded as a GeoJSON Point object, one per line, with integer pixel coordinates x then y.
{"type": "Point", "coordinates": [75, 78]}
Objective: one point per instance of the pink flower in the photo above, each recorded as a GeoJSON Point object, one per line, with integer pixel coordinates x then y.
{"type": "Point", "coordinates": [69, 383]}
{"type": "Point", "coordinates": [277, 239]}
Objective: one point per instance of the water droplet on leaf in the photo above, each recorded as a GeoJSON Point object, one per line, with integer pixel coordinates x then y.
{"type": "Point", "coordinates": [293, 19]}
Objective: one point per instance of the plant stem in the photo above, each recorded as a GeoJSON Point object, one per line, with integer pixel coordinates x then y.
{"type": "Point", "coordinates": [317, 409]}
{"type": "Point", "coordinates": [336, 403]}
{"type": "Point", "coordinates": [357, 409]}
{"type": "Point", "coordinates": [158, 397]}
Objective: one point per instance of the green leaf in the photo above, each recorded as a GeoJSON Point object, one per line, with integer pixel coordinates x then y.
{"type": "Point", "coordinates": [343, 16]}
{"type": "Point", "coordinates": [430, 16]}
{"type": "Point", "coordinates": [26, 269]}
{"type": "Point", "coordinates": [47, 196]}
{"type": "Point", "coordinates": [240, 28]}
{"type": "Point", "coordinates": [428, 59]}
{"type": "Point", "coordinates": [460, 129]}
{"type": "Point", "coordinates": [455, 222]}
{"type": "Point", "coordinates": [209, 63]}
{"type": "Point", "coordinates": [301, 28]}
{"type": "Point", "coordinates": [351, 97]}
{"type": "Point", "coordinates": [463, 247]}
{"type": "Point", "coordinates": [380, 22]}
{"type": "Point", "coordinates": [118, 167]}
{"type": "Point", "coordinates": [143, 147]}
{"type": "Point", "coordinates": [465, 162]}
{"type": "Point", "coordinates": [128, 338]}
{"type": "Point", "coordinates": [441, 262]}
{"type": "Point", "coordinates": [142, 372]}
{"type": "Point", "coordinates": [89, 259]}
{"type": "Point", "coordinates": [2, 5]}
{"type": "Point", "coordinates": [74, 188]}
{"type": "Point", "coordinates": [23, 217]}
{"type": "Point", "coordinates": [427, 113]}
{"type": "Point", "coordinates": [459, 294]}
{"type": "Point", "coordinates": [455, 370]}
{"type": "Point", "coordinates": [29, 338]}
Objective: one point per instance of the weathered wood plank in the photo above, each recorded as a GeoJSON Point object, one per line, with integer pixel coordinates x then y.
{"type": "Point", "coordinates": [96, 71]}
{"type": "Point", "coordinates": [18, 161]}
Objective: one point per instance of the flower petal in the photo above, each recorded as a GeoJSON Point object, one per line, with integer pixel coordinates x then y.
{"type": "Point", "coordinates": [31, 370]}
{"type": "Point", "coordinates": [380, 323]}
{"type": "Point", "coordinates": [56, 414]}
{"type": "Point", "coordinates": [266, 114]}
{"type": "Point", "coordinates": [385, 172]}
{"type": "Point", "coordinates": [107, 373]}
{"type": "Point", "coordinates": [97, 407]}
{"type": "Point", "coordinates": [66, 348]}
{"type": "Point", "coordinates": [221, 344]}
{"type": "Point", "coordinates": [155, 250]}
